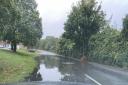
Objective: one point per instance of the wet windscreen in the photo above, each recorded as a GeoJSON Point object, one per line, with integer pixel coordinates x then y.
{"type": "Point", "coordinates": [64, 42]}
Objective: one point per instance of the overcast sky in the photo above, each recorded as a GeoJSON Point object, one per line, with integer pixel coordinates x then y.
{"type": "Point", "coordinates": [54, 13]}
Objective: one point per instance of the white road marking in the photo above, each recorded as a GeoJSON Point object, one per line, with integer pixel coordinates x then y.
{"type": "Point", "coordinates": [92, 79]}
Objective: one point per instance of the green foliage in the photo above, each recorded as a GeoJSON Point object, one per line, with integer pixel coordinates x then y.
{"type": "Point", "coordinates": [20, 22]}
{"type": "Point", "coordinates": [107, 47]}
{"type": "Point", "coordinates": [49, 43]}
{"type": "Point", "coordinates": [85, 20]}
{"type": "Point", "coordinates": [65, 46]}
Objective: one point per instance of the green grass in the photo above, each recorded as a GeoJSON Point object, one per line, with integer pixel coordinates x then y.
{"type": "Point", "coordinates": [15, 67]}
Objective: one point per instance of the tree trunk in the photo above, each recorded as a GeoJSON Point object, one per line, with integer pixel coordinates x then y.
{"type": "Point", "coordinates": [86, 48]}
{"type": "Point", "coordinates": [13, 46]}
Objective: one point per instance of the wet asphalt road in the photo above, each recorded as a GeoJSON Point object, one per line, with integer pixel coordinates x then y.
{"type": "Point", "coordinates": [59, 71]}
{"type": "Point", "coordinates": [107, 75]}
{"type": "Point", "coordinates": [53, 68]}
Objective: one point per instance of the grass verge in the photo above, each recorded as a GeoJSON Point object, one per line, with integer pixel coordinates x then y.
{"type": "Point", "coordinates": [15, 66]}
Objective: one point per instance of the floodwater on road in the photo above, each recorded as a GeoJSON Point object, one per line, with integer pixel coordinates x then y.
{"type": "Point", "coordinates": [54, 68]}
{"type": "Point", "coordinates": [58, 70]}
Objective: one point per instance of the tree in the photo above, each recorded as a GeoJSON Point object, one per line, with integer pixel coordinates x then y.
{"type": "Point", "coordinates": [12, 18]}
{"type": "Point", "coordinates": [21, 22]}
{"type": "Point", "coordinates": [124, 32]}
{"type": "Point", "coordinates": [85, 20]}
{"type": "Point", "coordinates": [104, 46]}
{"type": "Point", "coordinates": [65, 47]}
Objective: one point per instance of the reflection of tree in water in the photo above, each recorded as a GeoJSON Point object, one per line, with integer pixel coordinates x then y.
{"type": "Point", "coordinates": [48, 61]}
{"type": "Point", "coordinates": [51, 61]}
{"type": "Point", "coordinates": [72, 72]}
{"type": "Point", "coordinates": [35, 76]}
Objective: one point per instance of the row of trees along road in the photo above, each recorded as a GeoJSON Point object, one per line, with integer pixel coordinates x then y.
{"type": "Point", "coordinates": [88, 33]}
{"type": "Point", "coordinates": [20, 22]}
{"type": "Point", "coordinates": [110, 46]}
{"type": "Point", "coordinates": [50, 43]}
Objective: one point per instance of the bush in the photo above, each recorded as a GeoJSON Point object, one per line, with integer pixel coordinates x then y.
{"type": "Point", "coordinates": [107, 47]}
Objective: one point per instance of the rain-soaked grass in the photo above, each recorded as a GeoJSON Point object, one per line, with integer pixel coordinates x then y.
{"type": "Point", "coordinates": [15, 66]}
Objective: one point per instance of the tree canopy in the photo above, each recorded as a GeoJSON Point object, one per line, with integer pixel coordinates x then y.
{"type": "Point", "coordinates": [85, 20]}
{"type": "Point", "coordinates": [20, 22]}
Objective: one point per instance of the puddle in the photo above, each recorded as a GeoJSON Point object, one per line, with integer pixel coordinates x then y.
{"type": "Point", "coordinates": [55, 68]}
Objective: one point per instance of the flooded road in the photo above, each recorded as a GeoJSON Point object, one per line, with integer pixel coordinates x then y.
{"type": "Point", "coordinates": [57, 70]}
{"type": "Point", "coordinates": [54, 68]}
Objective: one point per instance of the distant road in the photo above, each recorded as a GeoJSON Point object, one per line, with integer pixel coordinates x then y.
{"type": "Point", "coordinates": [43, 52]}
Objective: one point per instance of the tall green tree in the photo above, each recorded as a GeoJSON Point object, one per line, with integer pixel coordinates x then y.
{"type": "Point", "coordinates": [21, 22]}
{"type": "Point", "coordinates": [85, 20]}
{"type": "Point", "coordinates": [12, 18]}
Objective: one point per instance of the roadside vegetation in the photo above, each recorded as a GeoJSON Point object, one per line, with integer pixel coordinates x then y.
{"type": "Point", "coordinates": [14, 67]}
{"type": "Point", "coordinates": [88, 33]}
{"type": "Point", "coordinates": [108, 47]}
{"type": "Point", "coordinates": [50, 43]}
